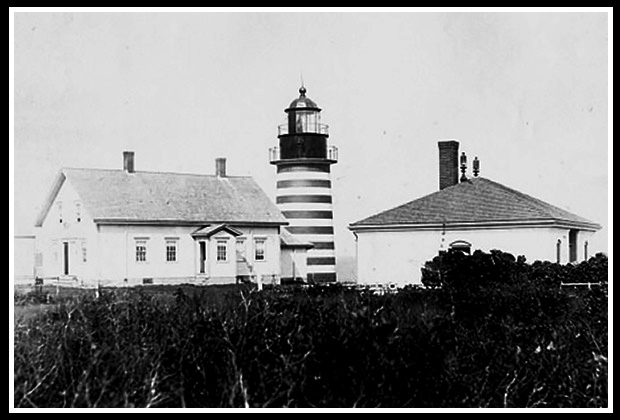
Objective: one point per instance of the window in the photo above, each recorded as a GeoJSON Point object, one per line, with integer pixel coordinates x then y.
{"type": "Point", "coordinates": [141, 250]}
{"type": "Point", "coordinates": [221, 250]}
{"type": "Point", "coordinates": [171, 250]}
{"type": "Point", "coordinates": [78, 212]}
{"type": "Point", "coordinates": [38, 259]}
{"type": "Point", "coordinates": [240, 250]}
{"type": "Point", "coordinates": [585, 250]}
{"type": "Point", "coordinates": [558, 251]}
{"type": "Point", "coordinates": [259, 249]}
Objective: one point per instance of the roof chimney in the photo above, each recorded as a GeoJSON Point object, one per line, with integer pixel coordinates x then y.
{"type": "Point", "coordinates": [128, 162]}
{"type": "Point", "coordinates": [448, 163]}
{"type": "Point", "coordinates": [220, 167]}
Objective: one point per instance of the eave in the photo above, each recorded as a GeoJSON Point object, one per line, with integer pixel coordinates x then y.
{"type": "Point", "coordinates": [176, 222]}
{"type": "Point", "coordinates": [49, 198]}
{"type": "Point", "coordinates": [468, 225]}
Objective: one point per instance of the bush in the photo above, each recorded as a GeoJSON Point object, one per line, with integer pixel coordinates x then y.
{"type": "Point", "coordinates": [517, 319]}
{"type": "Point", "coordinates": [486, 336]}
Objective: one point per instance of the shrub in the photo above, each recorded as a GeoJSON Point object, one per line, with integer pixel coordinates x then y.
{"type": "Point", "coordinates": [494, 332]}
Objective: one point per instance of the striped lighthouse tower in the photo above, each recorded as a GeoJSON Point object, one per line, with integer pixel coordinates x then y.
{"type": "Point", "coordinates": [303, 160]}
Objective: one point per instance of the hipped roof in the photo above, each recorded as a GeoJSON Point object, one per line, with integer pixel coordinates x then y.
{"type": "Point", "coordinates": [475, 202]}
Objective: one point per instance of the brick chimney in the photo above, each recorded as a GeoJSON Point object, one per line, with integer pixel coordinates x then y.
{"type": "Point", "coordinates": [128, 162]}
{"type": "Point", "coordinates": [220, 167]}
{"type": "Point", "coordinates": [448, 163]}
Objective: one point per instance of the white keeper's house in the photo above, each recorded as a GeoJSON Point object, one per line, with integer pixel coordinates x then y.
{"type": "Point", "coordinates": [467, 213]}
{"type": "Point", "coordinates": [127, 227]}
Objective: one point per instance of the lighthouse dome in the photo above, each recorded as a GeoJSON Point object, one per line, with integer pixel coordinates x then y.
{"type": "Point", "coordinates": [303, 102]}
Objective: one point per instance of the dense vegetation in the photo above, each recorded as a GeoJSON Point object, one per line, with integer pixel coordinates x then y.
{"type": "Point", "coordinates": [489, 331]}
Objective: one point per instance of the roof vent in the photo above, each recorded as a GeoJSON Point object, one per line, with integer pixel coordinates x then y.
{"type": "Point", "coordinates": [476, 166]}
{"type": "Point", "coordinates": [463, 167]}
{"type": "Point", "coordinates": [220, 167]}
{"type": "Point", "coordinates": [128, 162]}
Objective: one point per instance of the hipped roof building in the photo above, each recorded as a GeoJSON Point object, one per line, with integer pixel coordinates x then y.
{"type": "Point", "coordinates": [467, 213]}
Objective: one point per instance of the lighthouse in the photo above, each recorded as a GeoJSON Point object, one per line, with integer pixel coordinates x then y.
{"type": "Point", "coordinates": [303, 160]}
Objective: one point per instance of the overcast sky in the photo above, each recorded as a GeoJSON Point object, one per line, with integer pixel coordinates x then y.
{"type": "Point", "coordinates": [525, 92]}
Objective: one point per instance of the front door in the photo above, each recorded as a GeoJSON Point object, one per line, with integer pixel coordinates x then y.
{"type": "Point", "coordinates": [572, 245]}
{"type": "Point", "coordinates": [202, 255]}
{"type": "Point", "coordinates": [65, 258]}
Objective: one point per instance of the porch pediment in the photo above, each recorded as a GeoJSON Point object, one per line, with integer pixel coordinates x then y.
{"type": "Point", "coordinates": [210, 230]}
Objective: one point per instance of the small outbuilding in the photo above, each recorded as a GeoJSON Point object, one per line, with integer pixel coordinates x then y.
{"type": "Point", "coordinates": [293, 258]}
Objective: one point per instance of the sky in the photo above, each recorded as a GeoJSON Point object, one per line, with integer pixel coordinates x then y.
{"type": "Point", "coordinates": [525, 92]}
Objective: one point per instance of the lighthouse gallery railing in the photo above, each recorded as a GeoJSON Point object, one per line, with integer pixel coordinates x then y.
{"type": "Point", "coordinates": [331, 154]}
{"type": "Point", "coordinates": [306, 127]}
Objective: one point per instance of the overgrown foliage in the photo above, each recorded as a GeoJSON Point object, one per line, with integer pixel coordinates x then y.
{"type": "Point", "coordinates": [493, 332]}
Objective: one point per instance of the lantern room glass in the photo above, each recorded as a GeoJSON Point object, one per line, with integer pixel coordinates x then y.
{"type": "Point", "coordinates": [304, 121]}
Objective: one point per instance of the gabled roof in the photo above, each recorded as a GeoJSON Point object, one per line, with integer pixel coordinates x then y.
{"type": "Point", "coordinates": [476, 202]}
{"type": "Point", "coordinates": [208, 231]}
{"type": "Point", "coordinates": [115, 196]}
